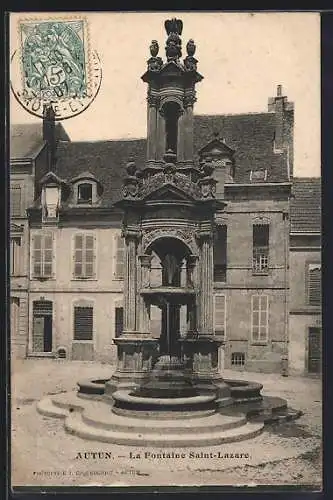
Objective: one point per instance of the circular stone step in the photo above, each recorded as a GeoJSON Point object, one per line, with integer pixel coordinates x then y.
{"type": "Point", "coordinates": [76, 426]}
{"type": "Point", "coordinates": [101, 417]}
{"type": "Point", "coordinates": [162, 415]}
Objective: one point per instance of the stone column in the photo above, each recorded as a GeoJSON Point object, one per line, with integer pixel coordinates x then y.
{"type": "Point", "coordinates": [151, 132]}
{"type": "Point", "coordinates": [143, 307]}
{"type": "Point", "coordinates": [170, 329]}
{"type": "Point", "coordinates": [160, 136]}
{"type": "Point", "coordinates": [130, 282]}
{"type": "Point", "coordinates": [188, 133]}
{"type": "Point", "coordinates": [206, 282]}
{"type": "Point", "coordinates": [190, 268]}
{"type": "Point", "coordinates": [181, 138]}
{"type": "Point", "coordinates": [191, 316]}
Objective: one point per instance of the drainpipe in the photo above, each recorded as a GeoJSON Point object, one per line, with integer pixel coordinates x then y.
{"type": "Point", "coordinates": [284, 357]}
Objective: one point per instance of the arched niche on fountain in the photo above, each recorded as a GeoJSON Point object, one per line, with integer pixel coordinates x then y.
{"type": "Point", "coordinates": [168, 291]}
{"type": "Point", "coordinates": [170, 262]}
{"type": "Point", "coordinates": [171, 109]}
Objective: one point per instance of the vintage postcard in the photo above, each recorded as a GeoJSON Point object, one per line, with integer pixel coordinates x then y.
{"type": "Point", "coordinates": [165, 249]}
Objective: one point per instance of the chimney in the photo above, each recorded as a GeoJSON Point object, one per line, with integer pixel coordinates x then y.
{"type": "Point", "coordinates": [279, 119]}
{"type": "Point", "coordinates": [49, 133]}
{"type": "Point", "coordinates": [279, 105]}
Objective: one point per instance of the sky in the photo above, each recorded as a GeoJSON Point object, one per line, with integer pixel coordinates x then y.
{"type": "Point", "coordinates": [242, 56]}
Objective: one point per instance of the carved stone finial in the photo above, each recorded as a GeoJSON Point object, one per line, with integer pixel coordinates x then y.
{"type": "Point", "coordinates": [173, 26]}
{"type": "Point", "coordinates": [154, 48]}
{"type": "Point", "coordinates": [207, 168]}
{"type": "Point", "coordinates": [207, 183]}
{"type": "Point", "coordinates": [131, 182]}
{"type": "Point", "coordinates": [154, 63]}
{"type": "Point", "coordinates": [131, 167]}
{"type": "Point", "coordinates": [173, 47]}
{"type": "Point", "coordinates": [190, 47]}
{"type": "Point", "coordinates": [216, 134]}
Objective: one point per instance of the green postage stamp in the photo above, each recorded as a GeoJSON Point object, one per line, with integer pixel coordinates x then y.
{"type": "Point", "coordinates": [55, 64]}
{"type": "Point", "coordinates": [53, 59]}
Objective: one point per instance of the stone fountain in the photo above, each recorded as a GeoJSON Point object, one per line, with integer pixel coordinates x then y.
{"type": "Point", "coordinates": [168, 390]}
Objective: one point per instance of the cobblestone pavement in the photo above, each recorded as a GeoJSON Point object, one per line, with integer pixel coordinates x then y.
{"type": "Point", "coordinates": [44, 454]}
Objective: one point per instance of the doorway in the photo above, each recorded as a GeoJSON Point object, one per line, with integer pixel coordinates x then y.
{"type": "Point", "coordinates": [42, 326]}
{"type": "Point", "coordinates": [315, 350]}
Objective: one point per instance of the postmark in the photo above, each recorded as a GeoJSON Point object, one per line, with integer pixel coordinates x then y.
{"type": "Point", "coordinates": [54, 64]}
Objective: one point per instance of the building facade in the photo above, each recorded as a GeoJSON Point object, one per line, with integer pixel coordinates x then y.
{"type": "Point", "coordinates": [29, 157]}
{"type": "Point", "coordinates": [70, 291]}
{"type": "Point", "coordinates": [305, 328]}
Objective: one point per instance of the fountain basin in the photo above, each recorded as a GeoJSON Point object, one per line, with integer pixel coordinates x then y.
{"type": "Point", "coordinates": [128, 401]}
{"type": "Point", "coordinates": [241, 390]}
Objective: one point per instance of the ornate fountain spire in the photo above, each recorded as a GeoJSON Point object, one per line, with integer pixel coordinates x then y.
{"type": "Point", "coordinates": [170, 99]}
{"type": "Point", "coordinates": [173, 48]}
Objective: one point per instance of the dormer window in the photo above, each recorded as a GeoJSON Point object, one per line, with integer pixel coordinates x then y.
{"type": "Point", "coordinates": [53, 190]}
{"type": "Point", "coordinates": [51, 199]}
{"type": "Point", "coordinates": [84, 193]}
{"type": "Point", "coordinates": [86, 190]}
{"type": "Point", "coordinates": [258, 175]}
{"type": "Point", "coordinates": [221, 158]}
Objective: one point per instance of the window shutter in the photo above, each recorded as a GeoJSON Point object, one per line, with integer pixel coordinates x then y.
{"type": "Point", "coordinates": [120, 257]}
{"type": "Point", "coordinates": [12, 256]}
{"type": "Point", "coordinates": [48, 255]}
{"type": "Point", "coordinates": [83, 323]}
{"type": "Point", "coordinates": [314, 284]}
{"type": "Point", "coordinates": [15, 200]}
{"type": "Point", "coordinates": [37, 255]}
{"type": "Point", "coordinates": [259, 318]}
{"type": "Point", "coordinates": [260, 248]}
{"type": "Point", "coordinates": [89, 256]}
{"type": "Point", "coordinates": [15, 256]}
{"type": "Point", "coordinates": [219, 315]}
{"type": "Point", "coordinates": [78, 255]}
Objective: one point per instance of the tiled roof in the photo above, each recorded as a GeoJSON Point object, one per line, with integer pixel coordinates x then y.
{"type": "Point", "coordinates": [26, 139]}
{"type": "Point", "coordinates": [106, 160]}
{"type": "Point", "coordinates": [305, 208]}
{"type": "Point", "coordinates": [250, 135]}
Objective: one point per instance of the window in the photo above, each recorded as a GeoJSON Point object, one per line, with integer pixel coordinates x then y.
{"type": "Point", "coordinates": [119, 257]}
{"type": "Point", "coordinates": [42, 326]}
{"type": "Point", "coordinates": [219, 315]}
{"type": "Point", "coordinates": [83, 323]}
{"type": "Point", "coordinates": [51, 202]}
{"type": "Point", "coordinates": [220, 254]}
{"type": "Point", "coordinates": [14, 316]}
{"type": "Point", "coordinates": [259, 316]}
{"type": "Point", "coordinates": [258, 175]}
{"type": "Point", "coordinates": [314, 284]}
{"type": "Point", "coordinates": [15, 201]}
{"type": "Point", "coordinates": [260, 248]}
{"type": "Point", "coordinates": [42, 255]}
{"type": "Point", "coordinates": [119, 321]}
{"type": "Point", "coordinates": [15, 255]}
{"type": "Point", "coordinates": [238, 359]}
{"type": "Point", "coordinates": [84, 193]}
{"type": "Point", "coordinates": [84, 256]}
